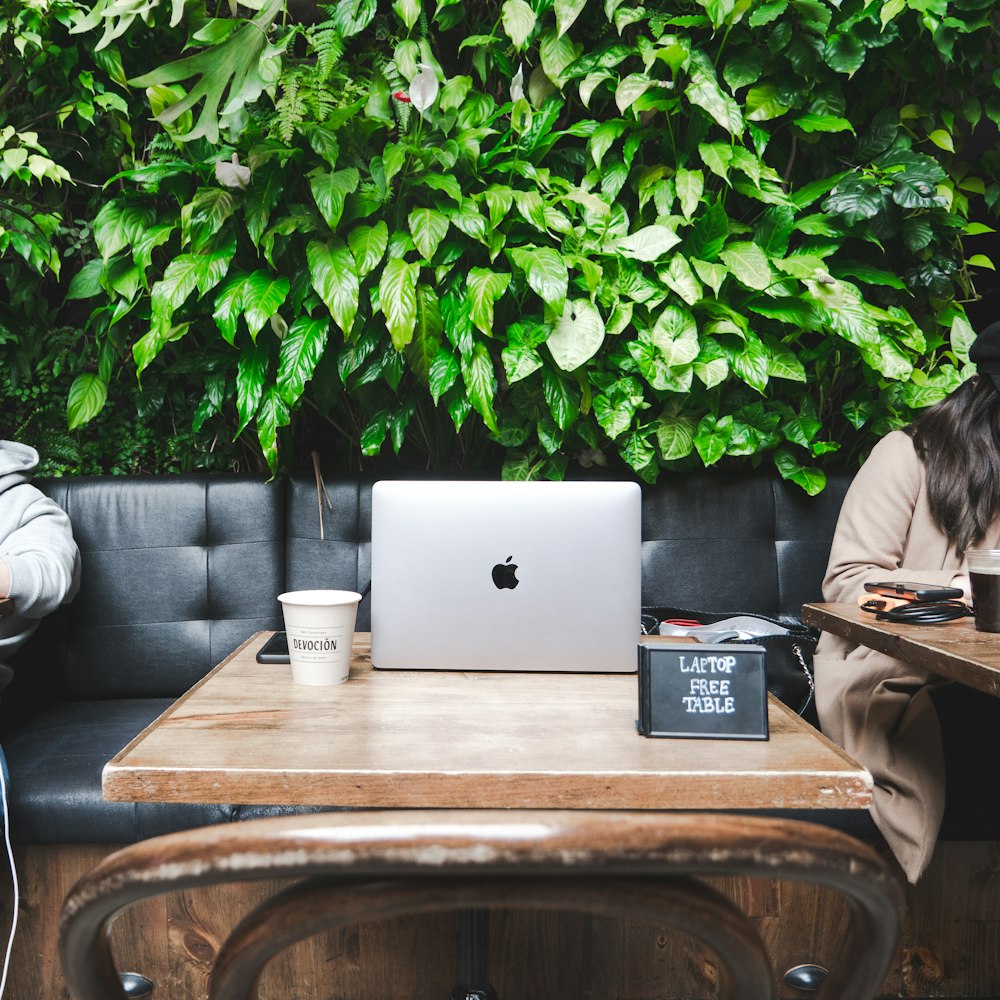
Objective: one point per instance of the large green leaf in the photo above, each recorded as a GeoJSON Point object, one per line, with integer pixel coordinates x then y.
{"type": "Point", "coordinates": [561, 403]}
{"type": "Point", "coordinates": [373, 433]}
{"type": "Point", "coordinates": [330, 190]}
{"type": "Point", "coordinates": [87, 396]}
{"type": "Point", "coordinates": [681, 279]}
{"type": "Point", "coordinates": [262, 196]}
{"type": "Point", "coordinates": [481, 383]}
{"type": "Point", "coordinates": [690, 184]}
{"type": "Point", "coordinates": [499, 199]}
{"type": "Point", "coordinates": [823, 123]}
{"type": "Point", "coordinates": [782, 362]}
{"type": "Point", "coordinates": [712, 274]}
{"type": "Point", "coordinates": [531, 205]}
{"type": "Point", "coordinates": [712, 437]}
{"type": "Point", "coordinates": [639, 454]}
{"type": "Point", "coordinates": [117, 225]}
{"type": "Point", "coordinates": [844, 53]}
{"type": "Point", "coordinates": [426, 343]}
{"type": "Point", "coordinates": [331, 270]}
{"type": "Point", "coordinates": [187, 272]}
{"type": "Point", "coordinates": [251, 375]}
{"type": "Point", "coordinates": [428, 228]}
{"type": "Point", "coordinates": [485, 287]}
{"type": "Point", "coordinates": [675, 437]}
{"type": "Point", "coordinates": [86, 282]}
{"type": "Point", "coordinates": [546, 272]}
{"type": "Point", "coordinates": [841, 309]}
{"type": "Point", "coordinates": [368, 244]}
{"type": "Point", "coordinates": [557, 52]}
{"type": "Point", "coordinates": [398, 297]}
{"type": "Point", "coordinates": [447, 183]}
{"type": "Point", "coordinates": [811, 479]}
{"type": "Point", "coordinates": [300, 352]}
{"type": "Point", "coordinates": [443, 372]}
{"type": "Point", "coordinates": [467, 218]}
{"type": "Point", "coordinates": [272, 414]}
{"type": "Point", "coordinates": [630, 89]}
{"type": "Point", "coordinates": [229, 306]}
{"type": "Point", "coordinates": [749, 264]}
{"type": "Point", "coordinates": [855, 198]}
{"type": "Point", "coordinates": [567, 11]}
{"type": "Point", "coordinates": [718, 157]}
{"type": "Point", "coordinates": [145, 242]}
{"type": "Point", "coordinates": [350, 17]}
{"type": "Point", "coordinates": [675, 335]}
{"type": "Point", "coordinates": [751, 363]}
{"type": "Point", "coordinates": [204, 216]}
{"type": "Point", "coordinates": [718, 10]}
{"type": "Point", "coordinates": [649, 243]}
{"type": "Point", "coordinates": [705, 92]}
{"type": "Point", "coordinates": [146, 349]}
{"type": "Point", "coordinates": [263, 296]}
{"type": "Point", "coordinates": [518, 21]}
{"type": "Point", "coordinates": [708, 234]}
{"type": "Point", "coordinates": [577, 335]}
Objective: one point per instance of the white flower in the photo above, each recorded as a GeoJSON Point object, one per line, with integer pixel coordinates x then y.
{"type": "Point", "coordinates": [424, 89]}
{"type": "Point", "coordinates": [517, 84]}
{"type": "Point", "coordinates": [232, 174]}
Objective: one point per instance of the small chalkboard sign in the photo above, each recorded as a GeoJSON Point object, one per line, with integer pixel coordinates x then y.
{"type": "Point", "coordinates": [702, 690]}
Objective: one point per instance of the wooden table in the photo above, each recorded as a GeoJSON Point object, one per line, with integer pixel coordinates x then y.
{"type": "Point", "coordinates": [246, 734]}
{"type": "Point", "coordinates": [954, 649]}
{"type": "Point", "coordinates": [405, 739]}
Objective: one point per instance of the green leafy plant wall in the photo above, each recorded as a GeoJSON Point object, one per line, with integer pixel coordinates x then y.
{"type": "Point", "coordinates": [559, 233]}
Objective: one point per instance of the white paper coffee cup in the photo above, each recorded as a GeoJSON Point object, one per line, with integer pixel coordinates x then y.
{"type": "Point", "coordinates": [320, 628]}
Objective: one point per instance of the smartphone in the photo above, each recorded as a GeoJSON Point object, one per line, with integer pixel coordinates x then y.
{"type": "Point", "coordinates": [915, 591]}
{"type": "Point", "coordinates": [275, 650]}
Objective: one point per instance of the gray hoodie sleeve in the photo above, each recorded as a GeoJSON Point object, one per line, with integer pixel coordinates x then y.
{"type": "Point", "coordinates": [40, 553]}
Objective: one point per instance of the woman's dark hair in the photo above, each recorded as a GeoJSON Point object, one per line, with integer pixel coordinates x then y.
{"type": "Point", "coordinates": [959, 442]}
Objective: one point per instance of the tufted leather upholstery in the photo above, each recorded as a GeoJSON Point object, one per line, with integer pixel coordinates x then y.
{"type": "Point", "coordinates": [339, 555]}
{"type": "Point", "coordinates": [178, 571]}
{"type": "Point", "coordinates": [706, 535]}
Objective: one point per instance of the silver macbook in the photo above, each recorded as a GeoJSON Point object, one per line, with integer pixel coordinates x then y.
{"type": "Point", "coordinates": [505, 576]}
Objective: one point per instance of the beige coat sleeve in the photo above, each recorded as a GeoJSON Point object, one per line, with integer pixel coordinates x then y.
{"type": "Point", "coordinates": [876, 707]}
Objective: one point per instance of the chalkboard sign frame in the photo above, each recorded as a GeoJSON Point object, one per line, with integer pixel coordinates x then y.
{"type": "Point", "coordinates": [669, 672]}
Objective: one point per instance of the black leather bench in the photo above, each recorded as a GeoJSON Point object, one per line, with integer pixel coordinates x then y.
{"type": "Point", "coordinates": [178, 571]}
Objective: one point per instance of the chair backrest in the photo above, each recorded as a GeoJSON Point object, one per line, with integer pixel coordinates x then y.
{"type": "Point", "coordinates": [640, 866]}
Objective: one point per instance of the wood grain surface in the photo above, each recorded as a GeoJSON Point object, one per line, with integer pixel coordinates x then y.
{"type": "Point", "coordinates": [955, 649]}
{"type": "Point", "coordinates": [247, 734]}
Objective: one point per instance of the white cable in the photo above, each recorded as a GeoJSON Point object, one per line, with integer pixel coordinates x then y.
{"type": "Point", "coordinates": [13, 875]}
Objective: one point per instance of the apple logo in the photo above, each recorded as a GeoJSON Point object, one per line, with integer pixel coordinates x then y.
{"type": "Point", "coordinates": [503, 575]}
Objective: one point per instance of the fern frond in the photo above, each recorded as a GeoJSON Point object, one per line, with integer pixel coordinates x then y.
{"type": "Point", "coordinates": [321, 104]}
{"type": "Point", "coordinates": [329, 49]}
{"type": "Point", "coordinates": [290, 108]}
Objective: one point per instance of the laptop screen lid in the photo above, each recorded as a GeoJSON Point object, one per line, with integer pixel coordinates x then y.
{"type": "Point", "coordinates": [506, 575]}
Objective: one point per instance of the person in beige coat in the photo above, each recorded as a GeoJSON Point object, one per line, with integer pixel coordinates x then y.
{"type": "Point", "coordinates": [925, 495]}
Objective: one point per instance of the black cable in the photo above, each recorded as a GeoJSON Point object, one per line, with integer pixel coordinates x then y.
{"type": "Point", "coordinates": [925, 612]}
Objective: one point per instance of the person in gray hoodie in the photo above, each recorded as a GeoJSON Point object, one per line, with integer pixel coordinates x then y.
{"type": "Point", "coordinates": [39, 559]}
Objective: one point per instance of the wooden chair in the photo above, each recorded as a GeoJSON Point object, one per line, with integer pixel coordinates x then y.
{"type": "Point", "coordinates": [363, 866]}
